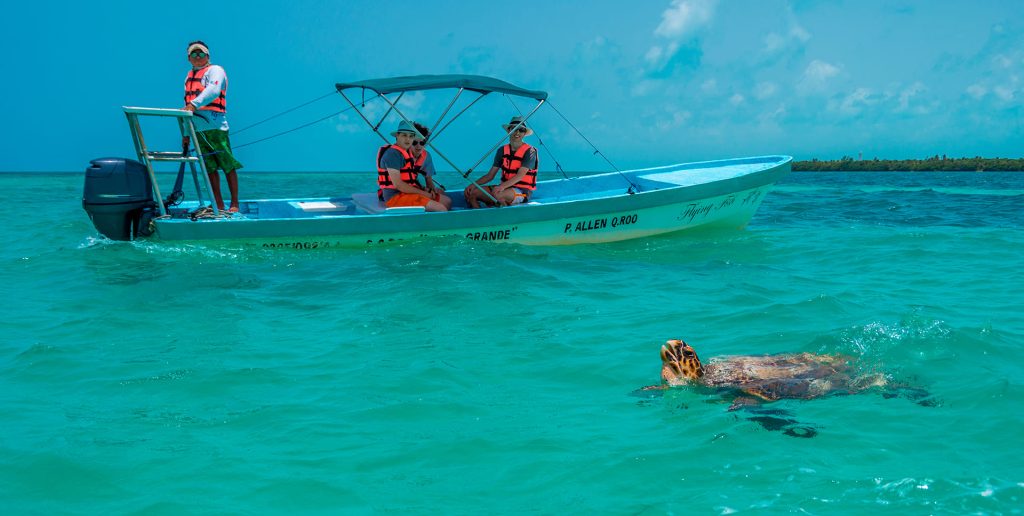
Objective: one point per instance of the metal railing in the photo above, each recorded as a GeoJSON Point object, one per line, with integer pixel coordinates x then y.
{"type": "Point", "coordinates": [189, 156]}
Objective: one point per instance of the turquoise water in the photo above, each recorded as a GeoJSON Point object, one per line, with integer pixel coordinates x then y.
{"type": "Point", "coordinates": [459, 377]}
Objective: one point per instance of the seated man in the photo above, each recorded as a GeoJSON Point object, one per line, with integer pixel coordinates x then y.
{"type": "Point", "coordinates": [424, 165]}
{"type": "Point", "coordinates": [397, 177]}
{"type": "Point", "coordinates": [518, 164]}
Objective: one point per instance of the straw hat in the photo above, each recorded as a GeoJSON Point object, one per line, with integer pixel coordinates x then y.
{"type": "Point", "coordinates": [516, 120]}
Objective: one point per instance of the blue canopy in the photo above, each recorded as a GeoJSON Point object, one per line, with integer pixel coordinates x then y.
{"type": "Point", "coordinates": [477, 83]}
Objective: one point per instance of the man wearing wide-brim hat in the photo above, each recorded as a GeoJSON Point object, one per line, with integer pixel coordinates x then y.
{"type": "Point", "coordinates": [517, 162]}
{"type": "Point", "coordinates": [397, 176]}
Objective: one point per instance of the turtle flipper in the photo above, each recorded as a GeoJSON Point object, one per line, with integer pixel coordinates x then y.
{"type": "Point", "coordinates": [916, 394]}
{"type": "Point", "coordinates": [778, 420]}
{"type": "Point", "coordinates": [649, 392]}
{"type": "Point", "coordinates": [744, 403]}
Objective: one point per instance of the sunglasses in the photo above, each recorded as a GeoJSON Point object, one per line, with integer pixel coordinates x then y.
{"type": "Point", "coordinates": [419, 143]}
{"type": "Point", "coordinates": [197, 54]}
{"type": "Point", "coordinates": [521, 130]}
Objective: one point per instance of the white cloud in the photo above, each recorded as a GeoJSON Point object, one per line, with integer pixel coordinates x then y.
{"type": "Point", "coordinates": [772, 117]}
{"type": "Point", "coordinates": [736, 99]}
{"type": "Point", "coordinates": [820, 71]}
{"type": "Point", "coordinates": [977, 91]}
{"type": "Point", "coordinates": [1003, 93]}
{"type": "Point", "coordinates": [817, 74]}
{"type": "Point", "coordinates": [709, 86]}
{"type": "Point", "coordinates": [657, 56]}
{"type": "Point", "coordinates": [909, 93]}
{"type": "Point", "coordinates": [799, 34]}
{"type": "Point", "coordinates": [674, 120]}
{"type": "Point", "coordinates": [345, 124]}
{"type": "Point", "coordinates": [411, 105]}
{"type": "Point", "coordinates": [681, 20]}
{"type": "Point", "coordinates": [642, 88]}
{"type": "Point", "coordinates": [775, 42]}
{"type": "Point", "coordinates": [765, 90]}
{"type": "Point", "coordinates": [683, 17]}
{"type": "Point", "coordinates": [855, 102]}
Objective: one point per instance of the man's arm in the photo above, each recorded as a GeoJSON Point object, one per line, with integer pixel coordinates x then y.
{"type": "Point", "coordinates": [402, 186]}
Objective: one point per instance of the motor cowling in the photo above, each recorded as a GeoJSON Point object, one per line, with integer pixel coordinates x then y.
{"type": "Point", "coordinates": [118, 196]}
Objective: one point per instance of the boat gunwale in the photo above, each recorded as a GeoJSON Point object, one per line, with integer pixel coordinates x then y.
{"type": "Point", "coordinates": [669, 188]}
{"type": "Point", "coordinates": [280, 227]}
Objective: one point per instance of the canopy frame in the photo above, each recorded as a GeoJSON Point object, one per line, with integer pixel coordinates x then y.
{"type": "Point", "coordinates": [476, 83]}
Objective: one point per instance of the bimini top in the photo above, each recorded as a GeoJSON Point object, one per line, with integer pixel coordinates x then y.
{"type": "Point", "coordinates": [477, 83]}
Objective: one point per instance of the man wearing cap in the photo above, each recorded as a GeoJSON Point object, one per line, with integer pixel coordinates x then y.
{"type": "Point", "coordinates": [518, 164]}
{"type": "Point", "coordinates": [397, 175]}
{"type": "Point", "coordinates": [206, 89]}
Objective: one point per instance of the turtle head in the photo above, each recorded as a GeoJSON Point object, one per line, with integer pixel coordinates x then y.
{"type": "Point", "coordinates": [679, 363]}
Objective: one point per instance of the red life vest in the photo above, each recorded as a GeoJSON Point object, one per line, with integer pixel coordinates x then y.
{"type": "Point", "coordinates": [512, 162]}
{"type": "Point", "coordinates": [409, 172]}
{"type": "Point", "coordinates": [417, 162]}
{"type": "Point", "coordinates": [194, 86]}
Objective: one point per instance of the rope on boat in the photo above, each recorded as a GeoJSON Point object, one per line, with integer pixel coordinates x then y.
{"type": "Point", "coordinates": [206, 212]}
{"type": "Point", "coordinates": [633, 187]}
{"type": "Point", "coordinates": [303, 126]}
{"type": "Point", "coordinates": [285, 112]}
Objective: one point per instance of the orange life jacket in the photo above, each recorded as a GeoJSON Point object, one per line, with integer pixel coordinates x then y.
{"type": "Point", "coordinates": [194, 86]}
{"type": "Point", "coordinates": [409, 173]}
{"type": "Point", "coordinates": [417, 162]}
{"type": "Point", "coordinates": [512, 162]}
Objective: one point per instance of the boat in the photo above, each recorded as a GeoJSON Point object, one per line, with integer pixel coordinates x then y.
{"type": "Point", "coordinates": [124, 201]}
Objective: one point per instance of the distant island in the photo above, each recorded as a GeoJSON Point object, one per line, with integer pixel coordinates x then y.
{"type": "Point", "coordinates": [932, 164]}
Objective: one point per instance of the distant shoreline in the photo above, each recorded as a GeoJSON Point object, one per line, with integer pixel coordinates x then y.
{"type": "Point", "coordinates": [844, 164]}
{"type": "Point", "coordinates": [933, 164]}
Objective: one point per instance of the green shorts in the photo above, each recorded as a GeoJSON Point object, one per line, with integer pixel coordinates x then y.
{"type": "Point", "coordinates": [215, 147]}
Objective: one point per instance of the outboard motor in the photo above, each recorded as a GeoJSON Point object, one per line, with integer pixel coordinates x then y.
{"type": "Point", "coordinates": [118, 197]}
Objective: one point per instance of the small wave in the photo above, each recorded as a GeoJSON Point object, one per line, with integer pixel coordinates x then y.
{"type": "Point", "coordinates": [895, 348]}
{"type": "Point", "coordinates": [98, 242]}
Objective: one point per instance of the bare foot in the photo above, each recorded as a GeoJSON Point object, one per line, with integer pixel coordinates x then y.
{"type": "Point", "coordinates": [233, 209]}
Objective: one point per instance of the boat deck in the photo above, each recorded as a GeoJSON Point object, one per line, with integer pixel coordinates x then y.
{"type": "Point", "coordinates": [554, 191]}
{"type": "Point", "coordinates": [692, 176]}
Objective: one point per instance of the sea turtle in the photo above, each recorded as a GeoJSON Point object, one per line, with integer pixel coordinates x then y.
{"type": "Point", "coordinates": [750, 380]}
{"type": "Point", "coordinates": [765, 377]}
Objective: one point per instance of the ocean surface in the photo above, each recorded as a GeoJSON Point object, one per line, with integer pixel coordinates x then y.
{"type": "Point", "coordinates": [454, 377]}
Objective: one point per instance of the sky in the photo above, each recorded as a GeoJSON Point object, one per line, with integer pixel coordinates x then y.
{"type": "Point", "coordinates": [646, 82]}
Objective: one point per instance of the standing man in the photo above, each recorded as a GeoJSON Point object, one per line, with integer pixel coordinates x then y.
{"type": "Point", "coordinates": [206, 89]}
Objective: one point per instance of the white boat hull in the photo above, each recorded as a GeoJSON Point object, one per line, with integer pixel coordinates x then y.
{"type": "Point", "coordinates": [593, 209]}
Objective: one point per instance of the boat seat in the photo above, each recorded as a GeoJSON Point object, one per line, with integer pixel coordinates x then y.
{"type": "Point", "coordinates": [369, 203]}
{"type": "Point", "coordinates": [318, 206]}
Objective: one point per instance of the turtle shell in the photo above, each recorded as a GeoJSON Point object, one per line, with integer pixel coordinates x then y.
{"type": "Point", "coordinates": [773, 377]}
